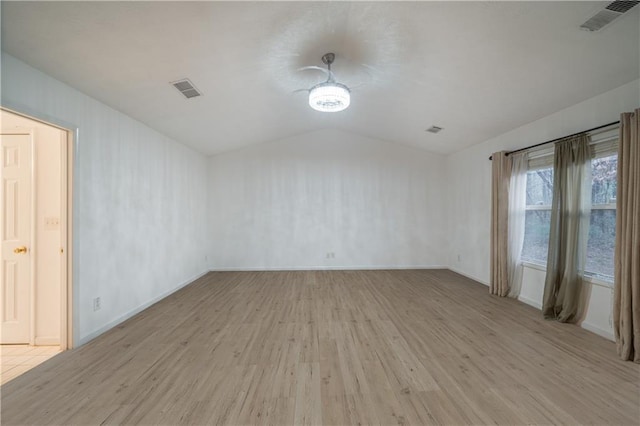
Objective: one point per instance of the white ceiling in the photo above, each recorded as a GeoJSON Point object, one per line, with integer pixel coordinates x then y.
{"type": "Point", "coordinates": [477, 69]}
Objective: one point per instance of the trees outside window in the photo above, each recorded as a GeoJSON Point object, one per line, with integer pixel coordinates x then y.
{"type": "Point", "coordinates": [600, 246]}
{"type": "Point", "coordinates": [602, 229]}
{"type": "Point", "coordinates": [538, 215]}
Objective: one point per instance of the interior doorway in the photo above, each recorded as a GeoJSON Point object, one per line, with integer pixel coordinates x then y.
{"type": "Point", "coordinates": [35, 306]}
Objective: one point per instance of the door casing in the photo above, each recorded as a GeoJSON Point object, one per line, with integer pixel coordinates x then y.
{"type": "Point", "coordinates": [67, 289]}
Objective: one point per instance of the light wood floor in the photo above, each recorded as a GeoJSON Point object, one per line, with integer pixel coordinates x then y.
{"type": "Point", "coordinates": [18, 359]}
{"type": "Point", "coordinates": [339, 347]}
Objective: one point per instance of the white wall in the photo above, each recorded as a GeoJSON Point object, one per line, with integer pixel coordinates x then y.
{"type": "Point", "coordinates": [140, 201]}
{"type": "Point", "coordinates": [597, 296]}
{"type": "Point", "coordinates": [286, 204]}
{"type": "Point", "coordinates": [469, 193]}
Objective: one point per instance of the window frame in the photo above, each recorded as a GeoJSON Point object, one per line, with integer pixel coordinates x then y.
{"type": "Point", "coordinates": [603, 144]}
{"type": "Point", "coordinates": [541, 162]}
{"type": "Point", "coordinates": [607, 147]}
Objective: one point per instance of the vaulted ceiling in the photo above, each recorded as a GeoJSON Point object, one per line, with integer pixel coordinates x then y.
{"type": "Point", "coordinates": [477, 69]}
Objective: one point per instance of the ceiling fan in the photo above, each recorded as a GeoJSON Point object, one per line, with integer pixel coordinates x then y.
{"type": "Point", "coordinates": [328, 96]}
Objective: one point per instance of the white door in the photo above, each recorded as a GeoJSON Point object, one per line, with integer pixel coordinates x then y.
{"type": "Point", "coordinates": [15, 268]}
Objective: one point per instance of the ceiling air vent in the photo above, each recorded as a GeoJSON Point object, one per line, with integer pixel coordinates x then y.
{"type": "Point", "coordinates": [186, 88]}
{"type": "Point", "coordinates": [608, 15]}
{"type": "Point", "coordinates": [434, 129]}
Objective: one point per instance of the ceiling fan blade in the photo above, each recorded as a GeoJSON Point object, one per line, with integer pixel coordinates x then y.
{"type": "Point", "coordinates": [379, 74]}
{"type": "Point", "coordinates": [313, 67]}
{"type": "Point", "coordinates": [331, 76]}
{"type": "Point", "coordinates": [370, 68]}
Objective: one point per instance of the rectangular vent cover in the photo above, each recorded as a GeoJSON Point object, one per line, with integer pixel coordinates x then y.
{"type": "Point", "coordinates": [608, 15]}
{"type": "Point", "coordinates": [186, 88]}
{"type": "Point", "coordinates": [621, 6]}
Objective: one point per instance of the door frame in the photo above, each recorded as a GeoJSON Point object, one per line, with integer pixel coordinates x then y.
{"type": "Point", "coordinates": [68, 267]}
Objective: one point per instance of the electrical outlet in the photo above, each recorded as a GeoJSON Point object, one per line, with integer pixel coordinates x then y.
{"type": "Point", "coordinates": [459, 258]}
{"type": "Point", "coordinates": [97, 304]}
{"type": "Point", "coordinates": [331, 255]}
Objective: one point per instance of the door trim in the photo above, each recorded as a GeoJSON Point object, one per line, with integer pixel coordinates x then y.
{"type": "Point", "coordinates": [66, 175]}
{"type": "Point", "coordinates": [34, 241]}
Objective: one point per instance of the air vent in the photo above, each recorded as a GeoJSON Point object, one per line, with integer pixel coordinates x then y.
{"type": "Point", "coordinates": [607, 15]}
{"type": "Point", "coordinates": [186, 88]}
{"type": "Point", "coordinates": [434, 129]}
{"type": "Point", "coordinates": [621, 6]}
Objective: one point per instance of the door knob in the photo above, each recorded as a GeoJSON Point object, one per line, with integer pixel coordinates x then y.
{"type": "Point", "coordinates": [19, 250]}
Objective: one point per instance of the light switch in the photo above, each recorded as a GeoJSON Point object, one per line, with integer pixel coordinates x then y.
{"type": "Point", "coordinates": [51, 223]}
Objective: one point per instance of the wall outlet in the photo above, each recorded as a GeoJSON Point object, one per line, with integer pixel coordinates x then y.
{"type": "Point", "coordinates": [459, 258]}
{"type": "Point", "coordinates": [331, 255]}
{"type": "Point", "coordinates": [97, 304]}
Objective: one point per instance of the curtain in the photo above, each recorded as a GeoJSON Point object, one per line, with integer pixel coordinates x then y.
{"type": "Point", "coordinates": [500, 175]}
{"type": "Point", "coordinates": [517, 211]}
{"type": "Point", "coordinates": [626, 304]}
{"type": "Point", "coordinates": [570, 211]}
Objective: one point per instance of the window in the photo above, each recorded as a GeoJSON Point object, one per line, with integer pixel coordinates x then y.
{"type": "Point", "coordinates": [538, 215]}
{"type": "Point", "coordinates": [602, 227]}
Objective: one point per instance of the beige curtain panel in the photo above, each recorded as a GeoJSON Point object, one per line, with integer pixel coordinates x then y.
{"type": "Point", "coordinates": [569, 231]}
{"type": "Point", "coordinates": [626, 305]}
{"type": "Point", "coordinates": [517, 215]}
{"type": "Point", "coordinates": [500, 176]}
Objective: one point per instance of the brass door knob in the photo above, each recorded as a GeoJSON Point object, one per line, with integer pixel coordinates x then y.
{"type": "Point", "coordinates": [19, 250]}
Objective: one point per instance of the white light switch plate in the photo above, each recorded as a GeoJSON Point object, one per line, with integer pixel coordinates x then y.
{"type": "Point", "coordinates": [51, 223]}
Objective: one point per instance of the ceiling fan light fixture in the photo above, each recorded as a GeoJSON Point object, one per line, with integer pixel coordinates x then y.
{"type": "Point", "coordinates": [329, 97]}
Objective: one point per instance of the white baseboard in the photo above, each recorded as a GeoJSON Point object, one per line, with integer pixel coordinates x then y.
{"type": "Point", "coordinates": [464, 274]}
{"type": "Point", "coordinates": [126, 316]}
{"type": "Point", "coordinates": [599, 331]}
{"type": "Point", "coordinates": [321, 268]}
{"type": "Point", "coordinates": [47, 341]}
{"type": "Point", "coordinates": [536, 304]}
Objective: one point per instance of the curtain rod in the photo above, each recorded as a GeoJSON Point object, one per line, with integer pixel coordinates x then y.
{"type": "Point", "coordinates": [557, 139]}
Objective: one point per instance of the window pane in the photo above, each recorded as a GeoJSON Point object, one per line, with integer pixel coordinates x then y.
{"type": "Point", "coordinates": [604, 179]}
{"type": "Point", "coordinates": [538, 215]}
{"type": "Point", "coordinates": [536, 236]}
{"type": "Point", "coordinates": [540, 187]}
{"type": "Point", "coordinates": [602, 237]}
{"type": "Point", "coordinates": [602, 227]}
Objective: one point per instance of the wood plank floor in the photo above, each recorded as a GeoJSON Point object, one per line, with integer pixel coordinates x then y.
{"type": "Point", "coordinates": [332, 347]}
